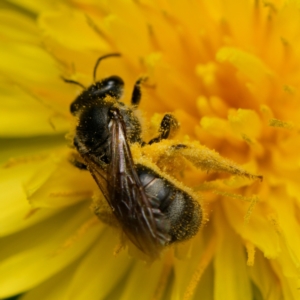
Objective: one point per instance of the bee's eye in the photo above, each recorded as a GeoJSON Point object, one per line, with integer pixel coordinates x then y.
{"type": "Point", "coordinates": [112, 85]}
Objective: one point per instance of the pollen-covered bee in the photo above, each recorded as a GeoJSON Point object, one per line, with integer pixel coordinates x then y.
{"type": "Point", "coordinates": [152, 209]}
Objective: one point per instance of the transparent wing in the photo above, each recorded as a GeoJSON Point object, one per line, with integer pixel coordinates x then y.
{"type": "Point", "coordinates": [99, 174]}
{"type": "Point", "coordinates": [143, 223]}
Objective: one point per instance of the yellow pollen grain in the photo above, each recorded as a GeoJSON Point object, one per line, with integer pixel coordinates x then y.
{"type": "Point", "coordinates": [79, 234]}
{"type": "Point", "coordinates": [204, 262]}
{"type": "Point", "coordinates": [281, 124]}
{"type": "Point", "coordinates": [208, 160]}
{"type": "Point", "coordinates": [250, 253]}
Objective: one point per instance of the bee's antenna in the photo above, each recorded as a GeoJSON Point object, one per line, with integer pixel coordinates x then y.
{"type": "Point", "coordinates": [73, 82]}
{"type": "Point", "coordinates": [99, 60]}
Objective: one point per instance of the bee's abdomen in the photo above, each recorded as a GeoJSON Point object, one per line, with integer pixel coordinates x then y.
{"type": "Point", "coordinates": [182, 211]}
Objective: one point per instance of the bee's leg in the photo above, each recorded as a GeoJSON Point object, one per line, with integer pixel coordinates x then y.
{"type": "Point", "coordinates": [76, 160]}
{"type": "Point", "coordinates": [79, 165]}
{"type": "Point", "coordinates": [168, 127]}
{"type": "Point", "coordinates": [200, 156]}
{"type": "Point", "coordinates": [137, 93]}
{"type": "Point", "coordinates": [178, 146]}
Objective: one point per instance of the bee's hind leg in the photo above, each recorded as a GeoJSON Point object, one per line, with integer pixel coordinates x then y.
{"type": "Point", "coordinates": [201, 157]}
{"type": "Point", "coordinates": [168, 127]}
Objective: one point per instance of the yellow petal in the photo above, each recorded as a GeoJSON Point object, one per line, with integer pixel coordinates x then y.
{"type": "Point", "coordinates": [105, 269]}
{"type": "Point", "coordinates": [264, 277]}
{"type": "Point", "coordinates": [146, 287]}
{"type": "Point", "coordinates": [35, 6]}
{"type": "Point", "coordinates": [245, 62]}
{"type": "Point", "coordinates": [264, 238]}
{"type": "Point", "coordinates": [230, 258]}
{"type": "Point", "coordinates": [16, 213]}
{"type": "Point", "coordinates": [56, 287]}
{"type": "Point", "coordinates": [58, 183]}
{"type": "Point", "coordinates": [40, 253]}
{"type": "Point", "coordinates": [27, 112]}
{"type": "Point", "coordinates": [60, 25]}
{"type": "Point", "coordinates": [245, 123]}
{"type": "Point", "coordinates": [11, 22]}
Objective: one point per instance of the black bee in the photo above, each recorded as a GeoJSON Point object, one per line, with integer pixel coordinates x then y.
{"type": "Point", "coordinates": [152, 211]}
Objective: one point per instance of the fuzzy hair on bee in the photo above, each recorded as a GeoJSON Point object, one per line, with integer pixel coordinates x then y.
{"type": "Point", "coordinates": [151, 207]}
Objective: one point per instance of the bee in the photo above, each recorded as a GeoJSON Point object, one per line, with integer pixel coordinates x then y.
{"type": "Point", "coordinates": [152, 211]}
{"type": "Point", "coordinates": [151, 207]}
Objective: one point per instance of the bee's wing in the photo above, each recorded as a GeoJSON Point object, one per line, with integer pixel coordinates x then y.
{"type": "Point", "coordinates": [99, 174]}
{"type": "Point", "coordinates": [143, 223]}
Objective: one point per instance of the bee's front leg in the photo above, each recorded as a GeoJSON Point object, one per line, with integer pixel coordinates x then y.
{"type": "Point", "coordinates": [137, 93]}
{"type": "Point", "coordinates": [77, 161]}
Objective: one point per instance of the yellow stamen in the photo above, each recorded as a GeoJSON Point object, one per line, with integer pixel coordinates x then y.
{"type": "Point", "coordinates": [204, 262]}
{"type": "Point", "coordinates": [12, 162]}
{"type": "Point", "coordinates": [77, 236]}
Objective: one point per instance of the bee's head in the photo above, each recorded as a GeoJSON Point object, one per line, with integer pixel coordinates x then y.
{"type": "Point", "coordinates": [111, 86]}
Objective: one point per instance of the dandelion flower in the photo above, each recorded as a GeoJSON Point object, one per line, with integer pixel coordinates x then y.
{"type": "Point", "coordinates": [228, 71]}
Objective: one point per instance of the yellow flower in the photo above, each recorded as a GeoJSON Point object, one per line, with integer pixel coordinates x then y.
{"type": "Point", "coordinates": [228, 70]}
